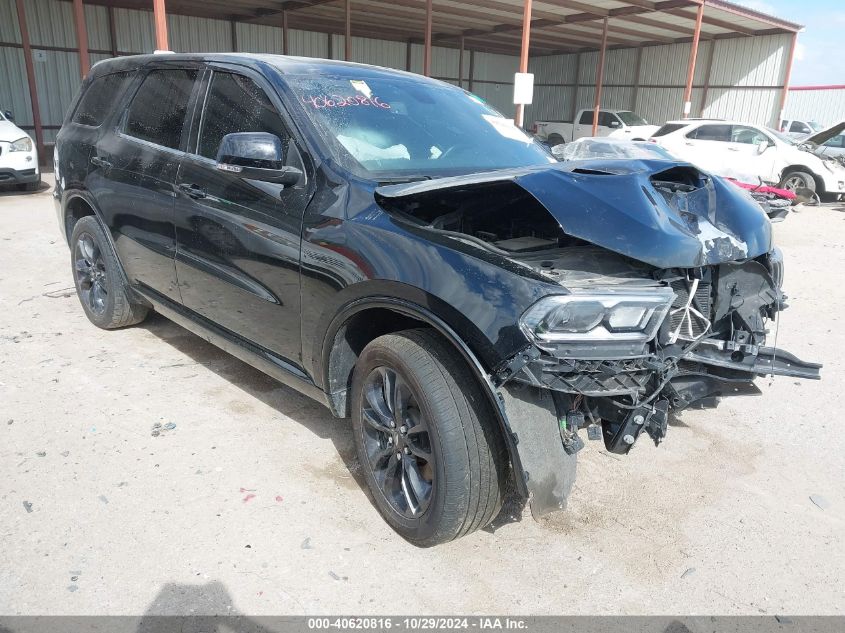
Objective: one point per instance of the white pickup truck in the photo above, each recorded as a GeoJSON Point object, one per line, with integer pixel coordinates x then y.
{"type": "Point", "coordinates": [614, 123]}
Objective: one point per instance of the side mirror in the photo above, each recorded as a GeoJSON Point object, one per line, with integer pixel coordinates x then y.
{"type": "Point", "coordinates": [762, 146]}
{"type": "Point", "coordinates": [8, 114]}
{"type": "Point", "coordinates": [615, 124]}
{"type": "Point", "coordinates": [558, 151]}
{"type": "Point", "coordinates": [257, 156]}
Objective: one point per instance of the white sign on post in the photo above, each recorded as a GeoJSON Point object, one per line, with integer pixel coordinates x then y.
{"type": "Point", "coordinates": [523, 88]}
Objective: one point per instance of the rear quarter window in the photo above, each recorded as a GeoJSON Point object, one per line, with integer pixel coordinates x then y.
{"type": "Point", "coordinates": [96, 103]}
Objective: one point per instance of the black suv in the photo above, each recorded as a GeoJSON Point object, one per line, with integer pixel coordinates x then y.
{"type": "Point", "coordinates": [396, 249]}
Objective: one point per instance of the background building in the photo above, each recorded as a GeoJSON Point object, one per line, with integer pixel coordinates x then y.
{"type": "Point", "coordinates": [651, 56]}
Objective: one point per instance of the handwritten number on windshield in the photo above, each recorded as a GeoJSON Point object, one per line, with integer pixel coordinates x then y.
{"type": "Point", "coordinates": [319, 102]}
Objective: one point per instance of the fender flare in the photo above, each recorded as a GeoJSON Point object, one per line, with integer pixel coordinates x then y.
{"type": "Point", "coordinates": [407, 308]}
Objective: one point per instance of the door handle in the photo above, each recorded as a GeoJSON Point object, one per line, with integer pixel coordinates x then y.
{"type": "Point", "coordinates": [100, 162]}
{"type": "Point", "coordinates": [733, 149]}
{"type": "Point", "coordinates": [192, 191]}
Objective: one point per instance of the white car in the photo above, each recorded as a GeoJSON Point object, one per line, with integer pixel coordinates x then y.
{"type": "Point", "coordinates": [18, 158]}
{"type": "Point", "coordinates": [798, 129]}
{"type": "Point", "coordinates": [613, 123]}
{"type": "Point", "coordinates": [751, 153]}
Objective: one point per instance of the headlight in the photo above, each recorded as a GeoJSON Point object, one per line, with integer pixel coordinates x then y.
{"type": "Point", "coordinates": [605, 314]}
{"type": "Point", "coordinates": [21, 145]}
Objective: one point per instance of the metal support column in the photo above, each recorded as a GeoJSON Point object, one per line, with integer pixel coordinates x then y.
{"type": "Point", "coordinates": [706, 88]}
{"type": "Point", "coordinates": [523, 55]}
{"type": "Point", "coordinates": [160, 20]}
{"type": "Point", "coordinates": [427, 44]}
{"type": "Point", "coordinates": [347, 37]}
{"type": "Point", "coordinates": [112, 32]}
{"type": "Point", "coordinates": [786, 78]}
{"type": "Point", "coordinates": [693, 55]}
{"type": "Point", "coordinates": [286, 34]}
{"type": "Point", "coordinates": [81, 37]}
{"type": "Point", "coordinates": [30, 78]}
{"type": "Point", "coordinates": [599, 78]}
{"type": "Point", "coordinates": [637, 72]}
{"type": "Point", "coordinates": [461, 63]}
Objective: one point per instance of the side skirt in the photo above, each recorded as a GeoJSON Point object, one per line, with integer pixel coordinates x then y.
{"type": "Point", "coordinates": [260, 358]}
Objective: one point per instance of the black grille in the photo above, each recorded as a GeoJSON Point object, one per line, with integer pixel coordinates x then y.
{"type": "Point", "coordinates": [701, 301]}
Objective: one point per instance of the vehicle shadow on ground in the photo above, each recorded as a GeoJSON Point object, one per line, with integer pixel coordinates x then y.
{"type": "Point", "coordinates": [7, 191]}
{"type": "Point", "coordinates": [293, 405]}
{"type": "Point", "coordinates": [205, 608]}
{"type": "Point", "coordinates": [256, 384]}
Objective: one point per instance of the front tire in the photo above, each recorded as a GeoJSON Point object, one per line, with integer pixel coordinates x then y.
{"type": "Point", "coordinates": [797, 180]}
{"type": "Point", "coordinates": [427, 441]}
{"type": "Point", "coordinates": [99, 285]}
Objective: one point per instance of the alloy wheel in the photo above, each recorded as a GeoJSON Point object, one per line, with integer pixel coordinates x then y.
{"type": "Point", "coordinates": [795, 182]}
{"type": "Point", "coordinates": [397, 442]}
{"type": "Point", "coordinates": [90, 273]}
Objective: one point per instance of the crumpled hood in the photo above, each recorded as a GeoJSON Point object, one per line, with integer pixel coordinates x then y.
{"type": "Point", "coordinates": [825, 135]}
{"type": "Point", "coordinates": [10, 132]}
{"type": "Point", "coordinates": [626, 206]}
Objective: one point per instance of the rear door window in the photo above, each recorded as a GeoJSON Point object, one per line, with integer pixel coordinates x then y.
{"type": "Point", "coordinates": [669, 128]}
{"type": "Point", "coordinates": [236, 104]}
{"type": "Point", "coordinates": [99, 98]}
{"type": "Point", "coordinates": [157, 112]}
{"type": "Point", "coordinates": [586, 118]}
{"type": "Point", "coordinates": [720, 133]}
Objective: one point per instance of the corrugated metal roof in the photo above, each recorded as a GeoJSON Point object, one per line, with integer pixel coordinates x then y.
{"type": "Point", "coordinates": [493, 25]}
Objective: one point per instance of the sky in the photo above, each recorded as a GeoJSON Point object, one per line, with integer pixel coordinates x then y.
{"type": "Point", "coordinates": [818, 58]}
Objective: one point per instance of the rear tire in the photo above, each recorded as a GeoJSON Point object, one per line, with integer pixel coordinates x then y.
{"type": "Point", "coordinates": [433, 458]}
{"type": "Point", "coordinates": [30, 186]}
{"type": "Point", "coordinates": [99, 283]}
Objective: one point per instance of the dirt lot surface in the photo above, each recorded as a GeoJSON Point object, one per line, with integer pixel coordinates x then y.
{"type": "Point", "coordinates": [250, 503]}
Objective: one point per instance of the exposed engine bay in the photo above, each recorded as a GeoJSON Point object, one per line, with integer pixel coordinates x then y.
{"type": "Point", "coordinates": [668, 293]}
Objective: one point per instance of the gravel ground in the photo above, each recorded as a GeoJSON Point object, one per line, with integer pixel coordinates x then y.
{"type": "Point", "coordinates": [246, 501]}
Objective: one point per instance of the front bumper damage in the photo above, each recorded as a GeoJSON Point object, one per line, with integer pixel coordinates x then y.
{"type": "Point", "coordinates": [711, 345]}
{"type": "Point", "coordinates": [650, 228]}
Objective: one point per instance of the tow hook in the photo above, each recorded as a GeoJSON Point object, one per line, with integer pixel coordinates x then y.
{"type": "Point", "coordinates": [619, 437]}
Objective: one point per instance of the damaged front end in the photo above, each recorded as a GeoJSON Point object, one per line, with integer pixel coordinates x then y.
{"type": "Point", "coordinates": [668, 290]}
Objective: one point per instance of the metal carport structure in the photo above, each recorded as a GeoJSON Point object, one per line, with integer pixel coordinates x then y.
{"type": "Point", "coordinates": [579, 52]}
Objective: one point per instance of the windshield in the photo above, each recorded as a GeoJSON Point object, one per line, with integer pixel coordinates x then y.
{"type": "Point", "coordinates": [781, 136]}
{"type": "Point", "coordinates": [631, 118]}
{"type": "Point", "coordinates": [401, 127]}
{"type": "Point", "coordinates": [815, 126]}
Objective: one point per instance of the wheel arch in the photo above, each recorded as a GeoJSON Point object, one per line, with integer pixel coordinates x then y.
{"type": "Point", "coordinates": [77, 204]}
{"type": "Point", "coordinates": [363, 320]}
{"type": "Point", "coordinates": [798, 167]}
